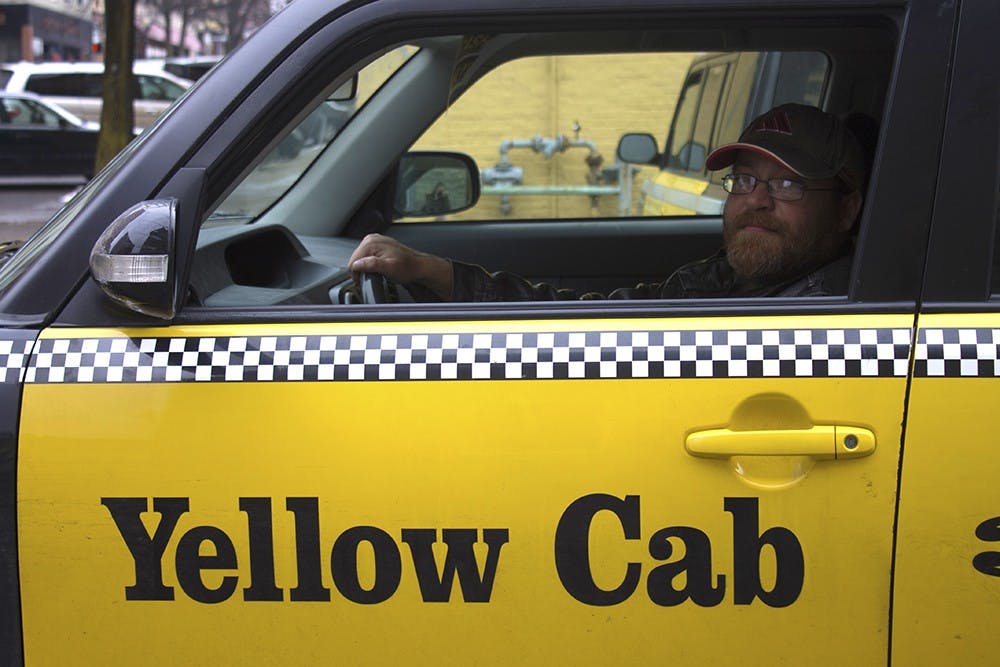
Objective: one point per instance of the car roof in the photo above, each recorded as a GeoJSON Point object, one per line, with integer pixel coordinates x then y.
{"type": "Point", "coordinates": [24, 68]}
{"type": "Point", "coordinates": [188, 60]}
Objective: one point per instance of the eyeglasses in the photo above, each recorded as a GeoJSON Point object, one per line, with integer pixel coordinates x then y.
{"type": "Point", "coordinates": [784, 189]}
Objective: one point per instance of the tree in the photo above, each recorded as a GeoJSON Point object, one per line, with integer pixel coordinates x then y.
{"type": "Point", "coordinates": [185, 10]}
{"type": "Point", "coordinates": [231, 18]}
{"type": "Point", "coordinates": [117, 113]}
{"type": "Point", "coordinates": [238, 15]}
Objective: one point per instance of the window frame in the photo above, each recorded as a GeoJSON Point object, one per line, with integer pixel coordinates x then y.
{"type": "Point", "coordinates": [877, 246]}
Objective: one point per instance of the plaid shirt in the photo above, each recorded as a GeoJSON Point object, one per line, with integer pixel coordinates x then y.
{"type": "Point", "coordinates": [712, 277]}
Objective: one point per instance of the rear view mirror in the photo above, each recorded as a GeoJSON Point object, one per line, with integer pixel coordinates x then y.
{"type": "Point", "coordinates": [432, 183]}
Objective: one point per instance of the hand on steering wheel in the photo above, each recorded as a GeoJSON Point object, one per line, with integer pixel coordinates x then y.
{"type": "Point", "coordinates": [376, 288]}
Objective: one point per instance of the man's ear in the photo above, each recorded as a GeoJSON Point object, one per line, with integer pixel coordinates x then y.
{"type": "Point", "coordinates": [850, 209]}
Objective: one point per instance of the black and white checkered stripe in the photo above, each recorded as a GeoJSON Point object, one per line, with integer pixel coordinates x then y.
{"type": "Point", "coordinates": [14, 356]}
{"type": "Point", "coordinates": [751, 353]}
{"type": "Point", "coordinates": [955, 352]}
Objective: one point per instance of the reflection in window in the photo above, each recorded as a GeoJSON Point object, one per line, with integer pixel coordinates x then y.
{"type": "Point", "coordinates": [683, 127]}
{"type": "Point", "coordinates": [290, 159]}
{"type": "Point", "coordinates": [704, 129]}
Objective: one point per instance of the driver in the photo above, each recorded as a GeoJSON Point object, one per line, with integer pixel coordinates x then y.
{"type": "Point", "coordinates": [794, 195]}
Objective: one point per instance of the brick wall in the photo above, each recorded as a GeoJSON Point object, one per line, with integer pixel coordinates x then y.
{"type": "Point", "coordinates": [607, 95]}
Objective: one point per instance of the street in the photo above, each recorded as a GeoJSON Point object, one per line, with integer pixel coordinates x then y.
{"type": "Point", "coordinates": [27, 205]}
{"type": "Point", "coordinates": [24, 209]}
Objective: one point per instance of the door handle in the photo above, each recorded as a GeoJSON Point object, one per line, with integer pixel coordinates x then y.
{"type": "Point", "coordinates": [820, 442]}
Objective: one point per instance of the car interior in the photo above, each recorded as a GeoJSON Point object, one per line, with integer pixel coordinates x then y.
{"type": "Point", "coordinates": [282, 233]}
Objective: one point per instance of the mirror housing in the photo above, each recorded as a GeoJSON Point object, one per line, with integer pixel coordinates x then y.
{"type": "Point", "coordinates": [132, 259]}
{"type": "Point", "coordinates": [433, 183]}
{"type": "Point", "coordinates": [638, 148]}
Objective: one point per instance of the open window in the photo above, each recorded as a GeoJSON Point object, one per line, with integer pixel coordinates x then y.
{"type": "Point", "coordinates": [540, 115]}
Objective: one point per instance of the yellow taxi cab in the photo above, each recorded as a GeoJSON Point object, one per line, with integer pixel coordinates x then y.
{"type": "Point", "coordinates": [216, 449]}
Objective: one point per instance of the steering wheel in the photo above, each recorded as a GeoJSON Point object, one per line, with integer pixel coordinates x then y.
{"type": "Point", "coordinates": [376, 288]}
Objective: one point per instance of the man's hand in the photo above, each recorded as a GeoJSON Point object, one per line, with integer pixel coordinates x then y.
{"type": "Point", "coordinates": [401, 264]}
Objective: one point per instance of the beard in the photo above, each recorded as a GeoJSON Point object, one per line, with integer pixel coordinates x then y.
{"type": "Point", "coordinates": [779, 253]}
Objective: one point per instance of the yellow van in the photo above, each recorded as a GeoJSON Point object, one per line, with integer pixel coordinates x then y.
{"type": "Point", "coordinates": [722, 93]}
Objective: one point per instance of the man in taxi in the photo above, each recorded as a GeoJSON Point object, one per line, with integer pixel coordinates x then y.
{"type": "Point", "coordinates": [795, 191]}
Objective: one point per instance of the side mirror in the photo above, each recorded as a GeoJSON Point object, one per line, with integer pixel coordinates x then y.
{"type": "Point", "coordinates": [431, 183]}
{"type": "Point", "coordinates": [638, 148]}
{"type": "Point", "coordinates": [692, 156]}
{"type": "Point", "coordinates": [131, 260]}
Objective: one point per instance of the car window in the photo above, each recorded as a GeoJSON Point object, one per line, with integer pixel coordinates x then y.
{"type": "Point", "coordinates": [763, 80]}
{"type": "Point", "coordinates": [544, 130]}
{"type": "Point", "coordinates": [552, 146]}
{"type": "Point", "coordinates": [157, 88]}
{"type": "Point", "coordinates": [540, 134]}
{"type": "Point", "coordinates": [190, 70]}
{"type": "Point", "coordinates": [548, 150]}
{"type": "Point", "coordinates": [704, 128]}
{"type": "Point", "coordinates": [801, 78]}
{"type": "Point", "coordinates": [66, 85]}
{"type": "Point", "coordinates": [682, 131]}
{"type": "Point", "coordinates": [292, 157]}
{"type": "Point", "coordinates": [28, 112]}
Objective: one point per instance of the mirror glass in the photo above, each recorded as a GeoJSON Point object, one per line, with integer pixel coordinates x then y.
{"type": "Point", "coordinates": [637, 148]}
{"type": "Point", "coordinates": [433, 183]}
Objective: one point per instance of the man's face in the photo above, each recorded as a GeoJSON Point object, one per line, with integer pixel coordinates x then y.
{"type": "Point", "coordinates": [767, 238]}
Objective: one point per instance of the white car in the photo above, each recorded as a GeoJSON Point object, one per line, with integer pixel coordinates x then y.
{"type": "Point", "coordinates": [190, 68]}
{"type": "Point", "coordinates": [77, 87]}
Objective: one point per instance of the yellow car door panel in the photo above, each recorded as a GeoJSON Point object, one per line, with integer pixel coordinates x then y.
{"type": "Point", "coordinates": [947, 558]}
{"type": "Point", "coordinates": [340, 483]}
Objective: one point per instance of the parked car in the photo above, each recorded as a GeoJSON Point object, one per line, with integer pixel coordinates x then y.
{"type": "Point", "coordinates": [191, 68]}
{"type": "Point", "coordinates": [39, 139]}
{"type": "Point", "coordinates": [210, 455]}
{"type": "Point", "coordinates": [78, 87]}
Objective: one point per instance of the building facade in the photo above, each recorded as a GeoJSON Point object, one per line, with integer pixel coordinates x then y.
{"type": "Point", "coordinates": [49, 30]}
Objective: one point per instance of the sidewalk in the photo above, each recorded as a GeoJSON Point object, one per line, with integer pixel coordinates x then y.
{"type": "Point", "coordinates": [24, 210]}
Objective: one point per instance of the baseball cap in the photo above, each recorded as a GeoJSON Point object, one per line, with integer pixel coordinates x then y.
{"type": "Point", "coordinates": [811, 142]}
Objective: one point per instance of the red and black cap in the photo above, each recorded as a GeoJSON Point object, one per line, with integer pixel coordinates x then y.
{"type": "Point", "coordinates": [811, 142]}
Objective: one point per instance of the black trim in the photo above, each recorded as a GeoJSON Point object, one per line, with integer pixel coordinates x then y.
{"type": "Point", "coordinates": [961, 249]}
{"type": "Point", "coordinates": [451, 312]}
{"type": "Point", "coordinates": [892, 242]}
{"type": "Point", "coordinates": [11, 646]}
{"type": "Point", "coordinates": [945, 307]}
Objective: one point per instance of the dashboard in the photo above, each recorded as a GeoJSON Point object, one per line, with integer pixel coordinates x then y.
{"type": "Point", "coordinates": [250, 265]}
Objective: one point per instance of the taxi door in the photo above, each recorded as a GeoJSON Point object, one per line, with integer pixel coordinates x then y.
{"type": "Point", "coordinates": [520, 492]}
{"type": "Point", "coordinates": [947, 573]}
